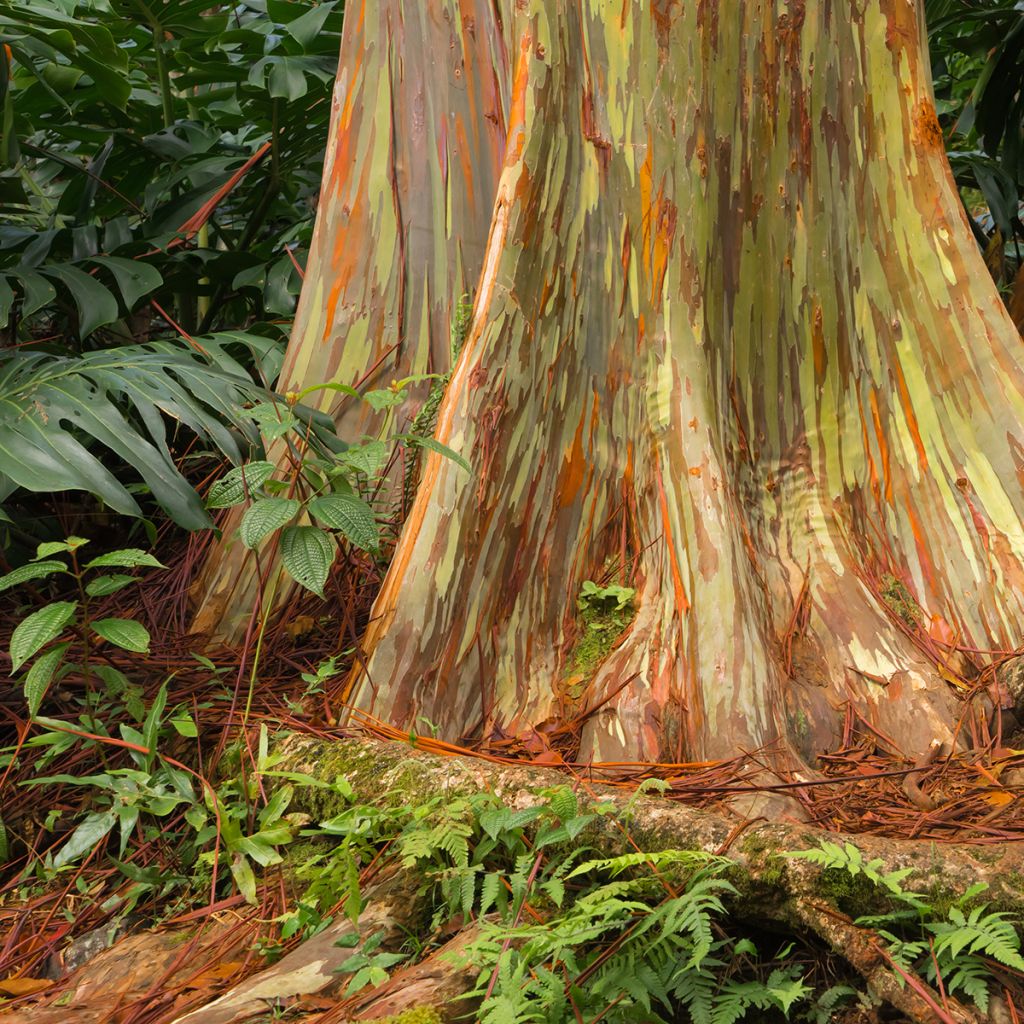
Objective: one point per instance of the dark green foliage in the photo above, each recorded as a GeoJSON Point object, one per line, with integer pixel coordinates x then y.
{"type": "Point", "coordinates": [977, 51]}
{"type": "Point", "coordinates": [120, 120]}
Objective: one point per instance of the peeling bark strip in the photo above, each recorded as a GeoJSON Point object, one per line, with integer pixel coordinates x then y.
{"type": "Point", "coordinates": [731, 330]}
{"type": "Point", "coordinates": [731, 320]}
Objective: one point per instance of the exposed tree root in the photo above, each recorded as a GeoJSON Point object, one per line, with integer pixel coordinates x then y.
{"type": "Point", "coordinates": [775, 891]}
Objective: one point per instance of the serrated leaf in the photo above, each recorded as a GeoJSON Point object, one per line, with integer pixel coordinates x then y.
{"type": "Point", "coordinates": [307, 553]}
{"type": "Point", "coordinates": [127, 634]}
{"type": "Point", "coordinates": [126, 558]}
{"type": "Point", "coordinates": [36, 631]}
{"type": "Point", "coordinates": [273, 419]}
{"type": "Point", "coordinates": [350, 515]}
{"type": "Point", "coordinates": [102, 586]}
{"type": "Point", "coordinates": [52, 547]}
{"type": "Point", "coordinates": [367, 457]}
{"type": "Point", "coordinates": [32, 571]}
{"type": "Point", "coordinates": [238, 484]}
{"type": "Point", "coordinates": [39, 676]}
{"type": "Point", "coordinates": [264, 517]}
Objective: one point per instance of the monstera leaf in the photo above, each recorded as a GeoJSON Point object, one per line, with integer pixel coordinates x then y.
{"type": "Point", "coordinates": [58, 412]}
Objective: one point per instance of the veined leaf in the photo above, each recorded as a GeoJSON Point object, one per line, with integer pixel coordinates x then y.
{"type": "Point", "coordinates": [85, 837]}
{"type": "Point", "coordinates": [102, 586]}
{"type": "Point", "coordinates": [307, 554]}
{"type": "Point", "coordinates": [349, 514]}
{"type": "Point", "coordinates": [124, 633]}
{"type": "Point", "coordinates": [39, 676]}
{"type": "Point", "coordinates": [238, 484]}
{"type": "Point", "coordinates": [435, 446]}
{"type": "Point", "coordinates": [38, 629]}
{"type": "Point", "coordinates": [32, 571]}
{"type": "Point", "coordinates": [125, 558]}
{"type": "Point", "coordinates": [264, 517]}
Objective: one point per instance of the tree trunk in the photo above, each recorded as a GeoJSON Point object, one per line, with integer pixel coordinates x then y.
{"type": "Point", "coordinates": [732, 344]}
{"type": "Point", "coordinates": [417, 138]}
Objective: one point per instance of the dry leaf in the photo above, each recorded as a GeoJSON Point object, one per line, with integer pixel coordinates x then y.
{"type": "Point", "coordinates": [23, 986]}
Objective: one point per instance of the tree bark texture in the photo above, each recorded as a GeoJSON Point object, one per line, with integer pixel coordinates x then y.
{"type": "Point", "coordinates": [412, 163]}
{"type": "Point", "coordinates": [732, 342]}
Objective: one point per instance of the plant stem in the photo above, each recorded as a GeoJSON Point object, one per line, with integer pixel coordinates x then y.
{"type": "Point", "coordinates": [163, 76]}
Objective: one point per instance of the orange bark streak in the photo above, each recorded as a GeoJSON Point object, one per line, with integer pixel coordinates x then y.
{"type": "Point", "coordinates": [677, 577]}
{"type": "Point", "coordinates": [572, 475]}
{"type": "Point", "coordinates": [883, 447]}
{"type": "Point", "coordinates": [908, 412]}
{"type": "Point", "coordinates": [517, 112]}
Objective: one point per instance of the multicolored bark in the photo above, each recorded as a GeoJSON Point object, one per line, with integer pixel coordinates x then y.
{"type": "Point", "coordinates": [416, 144]}
{"type": "Point", "coordinates": [732, 336]}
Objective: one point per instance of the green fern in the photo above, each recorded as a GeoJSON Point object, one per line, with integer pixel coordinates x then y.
{"type": "Point", "coordinates": [977, 933]}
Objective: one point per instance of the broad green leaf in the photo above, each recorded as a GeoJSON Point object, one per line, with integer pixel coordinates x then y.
{"type": "Point", "coordinates": [52, 547]}
{"type": "Point", "coordinates": [38, 677]}
{"type": "Point", "coordinates": [104, 585]}
{"type": "Point", "coordinates": [307, 553]}
{"type": "Point", "coordinates": [273, 418]}
{"type": "Point", "coordinates": [367, 457]}
{"type": "Point", "coordinates": [125, 558]}
{"type": "Point", "coordinates": [37, 291]}
{"type": "Point", "coordinates": [264, 517]}
{"type": "Point", "coordinates": [96, 303]}
{"type": "Point", "coordinates": [349, 514]}
{"type": "Point", "coordinates": [120, 402]}
{"type": "Point", "coordinates": [241, 869]}
{"type": "Point", "coordinates": [36, 631]}
{"type": "Point", "coordinates": [32, 571]}
{"type": "Point", "coordinates": [134, 278]}
{"type": "Point", "coordinates": [185, 726]}
{"type": "Point", "coordinates": [124, 633]}
{"type": "Point", "coordinates": [238, 484]}
{"type": "Point", "coordinates": [89, 834]}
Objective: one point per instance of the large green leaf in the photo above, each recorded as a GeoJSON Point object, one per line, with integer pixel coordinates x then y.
{"type": "Point", "coordinates": [349, 514]}
{"type": "Point", "coordinates": [238, 484]}
{"type": "Point", "coordinates": [126, 558]}
{"type": "Point", "coordinates": [53, 410]}
{"type": "Point", "coordinates": [307, 553]}
{"type": "Point", "coordinates": [127, 634]}
{"type": "Point", "coordinates": [264, 517]}
{"type": "Point", "coordinates": [32, 571]}
{"type": "Point", "coordinates": [134, 278]}
{"type": "Point", "coordinates": [38, 677]}
{"type": "Point", "coordinates": [38, 629]}
{"type": "Point", "coordinates": [96, 303]}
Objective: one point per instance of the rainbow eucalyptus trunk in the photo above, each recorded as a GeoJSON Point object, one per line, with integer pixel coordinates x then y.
{"type": "Point", "coordinates": [412, 163]}
{"type": "Point", "coordinates": [732, 344]}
